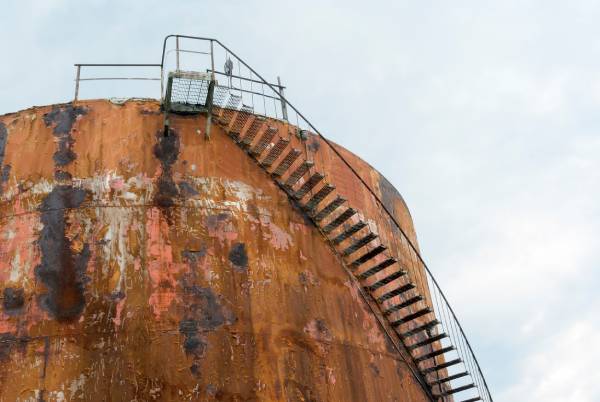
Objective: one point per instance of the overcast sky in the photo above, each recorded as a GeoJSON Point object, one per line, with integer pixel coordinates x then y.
{"type": "Point", "coordinates": [484, 115]}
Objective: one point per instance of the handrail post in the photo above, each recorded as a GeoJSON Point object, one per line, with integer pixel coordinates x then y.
{"type": "Point", "coordinates": [283, 104]}
{"type": "Point", "coordinates": [212, 60]}
{"type": "Point", "coordinates": [177, 51]}
{"type": "Point", "coordinates": [77, 82]}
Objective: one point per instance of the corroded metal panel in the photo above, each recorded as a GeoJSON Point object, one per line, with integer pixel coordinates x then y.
{"type": "Point", "coordinates": [139, 266]}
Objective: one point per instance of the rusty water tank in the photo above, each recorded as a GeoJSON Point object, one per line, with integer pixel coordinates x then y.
{"type": "Point", "coordinates": [136, 266]}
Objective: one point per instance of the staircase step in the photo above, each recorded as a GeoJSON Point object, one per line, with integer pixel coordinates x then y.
{"type": "Point", "coordinates": [254, 128]}
{"type": "Point", "coordinates": [411, 317]}
{"type": "Point", "coordinates": [343, 217]}
{"type": "Point", "coordinates": [398, 291]}
{"type": "Point", "coordinates": [420, 328]}
{"type": "Point", "coordinates": [427, 341]}
{"type": "Point", "coordinates": [240, 120]}
{"type": "Point", "coordinates": [441, 366]}
{"type": "Point", "coordinates": [230, 109]}
{"type": "Point", "coordinates": [377, 268]}
{"type": "Point", "coordinates": [367, 256]}
{"type": "Point", "coordinates": [318, 197]}
{"type": "Point", "coordinates": [298, 173]}
{"type": "Point", "coordinates": [274, 152]}
{"type": "Point", "coordinates": [433, 354]}
{"type": "Point", "coordinates": [456, 390]}
{"type": "Point", "coordinates": [404, 304]}
{"type": "Point", "coordinates": [285, 164]}
{"type": "Point", "coordinates": [477, 398]}
{"type": "Point", "coordinates": [348, 232]}
{"type": "Point", "coordinates": [360, 243]}
{"type": "Point", "coordinates": [449, 378]}
{"type": "Point", "coordinates": [308, 185]}
{"type": "Point", "coordinates": [263, 141]}
{"type": "Point", "coordinates": [332, 206]}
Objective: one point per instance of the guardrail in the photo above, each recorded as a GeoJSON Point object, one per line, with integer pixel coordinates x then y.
{"type": "Point", "coordinates": [268, 99]}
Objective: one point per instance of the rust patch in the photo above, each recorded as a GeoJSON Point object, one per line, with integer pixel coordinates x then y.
{"type": "Point", "coordinates": [13, 301]}
{"type": "Point", "coordinates": [62, 175]}
{"type": "Point", "coordinates": [186, 189]}
{"type": "Point", "coordinates": [62, 270]}
{"type": "Point", "coordinates": [238, 257]}
{"type": "Point", "coordinates": [166, 150]}
{"type": "Point", "coordinates": [204, 313]}
{"type": "Point", "coordinates": [297, 392]}
{"type": "Point", "coordinates": [62, 119]}
{"type": "Point", "coordinates": [314, 145]}
{"type": "Point", "coordinates": [390, 196]}
{"type": "Point", "coordinates": [3, 139]}
{"type": "Point", "coordinates": [9, 343]}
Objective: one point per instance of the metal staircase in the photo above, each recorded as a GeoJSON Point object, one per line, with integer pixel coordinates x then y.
{"type": "Point", "coordinates": [381, 275]}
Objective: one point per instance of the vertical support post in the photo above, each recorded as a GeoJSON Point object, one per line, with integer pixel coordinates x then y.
{"type": "Point", "coordinates": [210, 95]}
{"type": "Point", "coordinates": [177, 52]}
{"type": "Point", "coordinates": [212, 60]}
{"type": "Point", "coordinates": [77, 82]}
{"type": "Point", "coordinates": [162, 85]}
{"type": "Point", "coordinates": [283, 104]}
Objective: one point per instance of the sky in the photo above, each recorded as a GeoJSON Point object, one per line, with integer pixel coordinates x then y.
{"type": "Point", "coordinates": [484, 115]}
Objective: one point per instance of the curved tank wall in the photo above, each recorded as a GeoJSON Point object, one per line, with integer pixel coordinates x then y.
{"type": "Point", "coordinates": [135, 266]}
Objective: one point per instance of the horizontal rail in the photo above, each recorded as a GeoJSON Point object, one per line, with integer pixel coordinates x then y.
{"type": "Point", "coordinates": [119, 78]}
{"type": "Point", "coordinates": [115, 65]}
{"type": "Point", "coordinates": [234, 88]}
{"type": "Point", "coordinates": [188, 51]}
{"type": "Point", "coordinates": [237, 77]}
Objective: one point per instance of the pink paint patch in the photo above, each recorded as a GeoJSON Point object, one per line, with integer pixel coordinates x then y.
{"type": "Point", "coordinates": [162, 270]}
{"type": "Point", "coordinates": [118, 312]}
{"type": "Point", "coordinates": [330, 376]}
{"type": "Point", "coordinates": [117, 184]}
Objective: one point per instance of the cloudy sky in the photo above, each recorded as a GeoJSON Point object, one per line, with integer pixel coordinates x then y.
{"type": "Point", "coordinates": [484, 114]}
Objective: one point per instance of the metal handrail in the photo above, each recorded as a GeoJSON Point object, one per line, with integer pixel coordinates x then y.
{"type": "Point", "coordinates": [78, 78]}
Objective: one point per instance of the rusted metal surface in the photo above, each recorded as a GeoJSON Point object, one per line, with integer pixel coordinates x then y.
{"type": "Point", "coordinates": [139, 266]}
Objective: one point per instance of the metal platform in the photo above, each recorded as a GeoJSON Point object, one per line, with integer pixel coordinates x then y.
{"type": "Point", "coordinates": [189, 92]}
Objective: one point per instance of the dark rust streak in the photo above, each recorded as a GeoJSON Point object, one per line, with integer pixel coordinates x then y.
{"type": "Point", "coordinates": [62, 119]}
{"type": "Point", "coordinates": [166, 150]}
{"type": "Point", "coordinates": [62, 270]}
{"type": "Point", "coordinates": [13, 301]}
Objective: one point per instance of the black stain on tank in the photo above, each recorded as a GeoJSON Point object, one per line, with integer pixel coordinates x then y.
{"type": "Point", "coordinates": [13, 300]}
{"type": "Point", "coordinates": [390, 197]}
{"type": "Point", "coordinates": [193, 256]}
{"type": "Point", "coordinates": [166, 150]}
{"type": "Point", "coordinates": [5, 173]}
{"type": "Point", "coordinates": [10, 343]}
{"type": "Point", "coordinates": [213, 221]}
{"type": "Point", "coordinates": [314, 145]}
{"type": "Point", "coordinates": [3, 139]}
{"type": "Point", "coordinates": [61, 270]}
{"type": "Point", "coordinates": [192, 344]}
{"type": "Point", "coordinates": [186, 189]}
{"type": "Point", "coordinates": [61, 119]}
{"type": "Point", "coordinates": [204, 313]}
{"type": "Point", "coordinates": [62, 175]}
{"type": "Point", "coordinates": [238, 256]}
